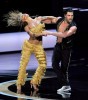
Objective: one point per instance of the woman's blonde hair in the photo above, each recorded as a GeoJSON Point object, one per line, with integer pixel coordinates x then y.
{"type": "Point", "coordinates": [13, 18]}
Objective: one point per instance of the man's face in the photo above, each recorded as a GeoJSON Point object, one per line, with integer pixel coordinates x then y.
{"type": "Point", "coordinates": [69, 17]}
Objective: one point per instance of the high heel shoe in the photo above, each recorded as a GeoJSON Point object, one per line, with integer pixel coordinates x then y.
{"type": "Point", "coordinates": [34, 86]}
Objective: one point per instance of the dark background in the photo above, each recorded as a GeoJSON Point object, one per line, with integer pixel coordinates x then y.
{"type": "Point", "coordinates": [50, 8]}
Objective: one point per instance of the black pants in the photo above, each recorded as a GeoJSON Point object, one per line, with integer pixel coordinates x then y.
{"type": "Point", "coordinates": [63, 55]}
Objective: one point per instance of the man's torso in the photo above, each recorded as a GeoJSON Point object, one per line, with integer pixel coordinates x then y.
{"type": "Point", "coordinates": [61, 28]}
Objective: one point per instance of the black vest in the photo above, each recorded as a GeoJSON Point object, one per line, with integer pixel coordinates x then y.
{"type": "Point", "coordinates": [68, 41]}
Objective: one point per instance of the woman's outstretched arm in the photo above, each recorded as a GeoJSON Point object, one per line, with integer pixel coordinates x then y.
{"type": "Point", "coordinates": [47, 19]}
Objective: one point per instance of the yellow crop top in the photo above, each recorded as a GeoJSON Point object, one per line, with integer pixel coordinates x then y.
{"type": "Point", "coordinates": [38, 29]}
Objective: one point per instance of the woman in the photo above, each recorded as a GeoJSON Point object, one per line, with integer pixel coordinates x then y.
{"type": "Point", "coordinates": [34, 28]}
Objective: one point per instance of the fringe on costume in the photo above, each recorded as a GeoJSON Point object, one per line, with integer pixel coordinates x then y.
{"type": "Point", "coordinates": [39, 52]}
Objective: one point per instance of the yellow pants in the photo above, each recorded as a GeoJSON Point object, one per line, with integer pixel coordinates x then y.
{"type": "Point", "coordinates": [39, 52]}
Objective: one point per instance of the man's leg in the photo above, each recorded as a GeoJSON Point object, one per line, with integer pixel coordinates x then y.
{"type": "Point", "coordinates": [66, 54]}
{"type": "Point", "coordinates": [55, 63]}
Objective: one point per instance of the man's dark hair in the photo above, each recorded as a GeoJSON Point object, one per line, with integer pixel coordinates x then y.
{"type": "Point", "coordinates": [68, 10]}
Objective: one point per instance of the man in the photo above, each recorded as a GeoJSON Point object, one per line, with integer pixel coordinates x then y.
{"type": "Point", "coordinates": [66, 28]}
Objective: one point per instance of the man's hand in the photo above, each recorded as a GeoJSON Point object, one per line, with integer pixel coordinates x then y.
{"type": "Point", "coordinates": [45, 33]}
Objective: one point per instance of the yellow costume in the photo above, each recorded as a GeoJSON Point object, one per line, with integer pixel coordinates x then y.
{"type": "Point", "coordinates": [27, 49]}
{"type": "Point", "coordinates": [38, 29]}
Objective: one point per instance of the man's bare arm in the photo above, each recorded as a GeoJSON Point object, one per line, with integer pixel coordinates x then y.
{"type": "Point", "coordinates": [54, 20]}
{"type": "Point", "coordinates": [71, 31]}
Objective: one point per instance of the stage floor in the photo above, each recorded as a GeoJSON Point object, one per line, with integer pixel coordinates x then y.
{"type": "Point", "coordinates": [78, 76]}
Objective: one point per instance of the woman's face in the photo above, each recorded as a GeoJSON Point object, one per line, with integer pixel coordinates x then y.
{"type": "Point", "coordinates": [24, 17]}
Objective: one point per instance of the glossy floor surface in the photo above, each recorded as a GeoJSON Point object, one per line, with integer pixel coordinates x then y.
{"type": "Point", "coordinates": [78, 76]}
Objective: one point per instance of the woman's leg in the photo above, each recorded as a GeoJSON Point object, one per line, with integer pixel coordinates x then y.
{"type": "Point", "coordinates": [26, 52]}
{"type": "Point", "coordinates": [41, 58]}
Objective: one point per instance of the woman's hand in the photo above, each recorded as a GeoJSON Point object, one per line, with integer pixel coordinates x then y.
{"type": "Point", "coordinates": [45, 33]}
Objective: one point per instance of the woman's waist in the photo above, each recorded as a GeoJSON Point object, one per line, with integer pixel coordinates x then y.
{"type": "Point", "coordinates": [35, 41]}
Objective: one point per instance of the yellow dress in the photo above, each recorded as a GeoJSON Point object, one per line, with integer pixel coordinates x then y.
{"type": "Point", "coordinates": [27, 49]}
